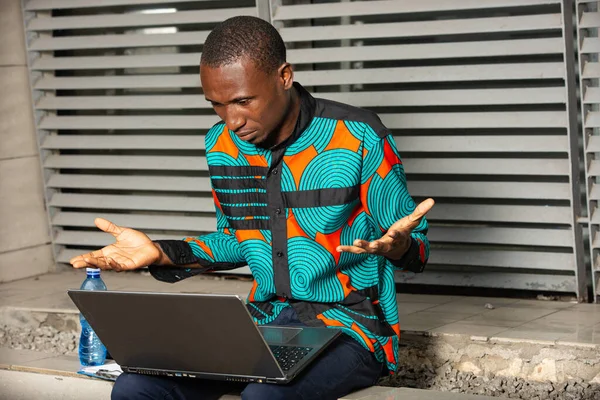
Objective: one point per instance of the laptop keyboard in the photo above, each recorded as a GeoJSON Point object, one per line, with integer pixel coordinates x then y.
{"type": "Point", "coordinates": [288, 356]}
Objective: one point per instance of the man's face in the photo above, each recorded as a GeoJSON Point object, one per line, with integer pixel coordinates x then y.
{"type": "Point", "coordinates": [252, 102]}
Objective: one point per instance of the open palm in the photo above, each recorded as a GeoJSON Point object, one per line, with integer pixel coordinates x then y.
{"type": "Point", "coordinates": [132, 249]}
{"type": "Point", "coordinates": [396, 240]}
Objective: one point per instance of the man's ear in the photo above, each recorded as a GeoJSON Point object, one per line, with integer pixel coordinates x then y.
{"type": "Point", "coordinates": [286, 75]}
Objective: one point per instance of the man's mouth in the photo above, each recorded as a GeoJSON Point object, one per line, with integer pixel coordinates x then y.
{"type": "Point", "coordinates": [244, 134]}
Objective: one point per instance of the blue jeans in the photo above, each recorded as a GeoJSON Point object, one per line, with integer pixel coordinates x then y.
{"type": "Point", "coordinates": [345, 366]}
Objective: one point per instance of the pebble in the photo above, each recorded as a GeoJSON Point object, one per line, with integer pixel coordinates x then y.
{"type": "Point", "coordinates": [46, 339]}
{"type": "Point", "coordinates": [449, 379]}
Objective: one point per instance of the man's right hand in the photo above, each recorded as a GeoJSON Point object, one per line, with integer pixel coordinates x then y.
{"type": "Point", "coordinates": [132, 249]}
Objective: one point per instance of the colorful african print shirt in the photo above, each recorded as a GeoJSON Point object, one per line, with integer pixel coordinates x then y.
{"type": "Point", "coordinates": [283, 211]}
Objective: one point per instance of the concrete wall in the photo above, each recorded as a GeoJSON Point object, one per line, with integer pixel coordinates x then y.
{"type": "Point", "coordinates": [25, 248]}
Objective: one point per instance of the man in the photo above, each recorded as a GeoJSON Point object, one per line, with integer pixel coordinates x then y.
{"type": "Point", "coordinates": [311, 195]}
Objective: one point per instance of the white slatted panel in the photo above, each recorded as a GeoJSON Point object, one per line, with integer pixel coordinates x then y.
{"type": "Point", "coordinates": [126, 20]}
{"type": "Point", "coordinates": [588, 23]}
{"type": "Point", "coordinates": [473, 90]}
{"type": "Point", "coordinates": [38, 5]}
{"type": "Point", "coordinates": [121, 114]}
{"type": "Point", "coordinates": [475, 94]}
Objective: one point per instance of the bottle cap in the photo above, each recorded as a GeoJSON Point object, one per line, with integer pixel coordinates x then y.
{"type": "Point", "coordinates": [92, 270]}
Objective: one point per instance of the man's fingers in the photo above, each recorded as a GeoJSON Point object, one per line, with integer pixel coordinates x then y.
{"type": "Point", "coordinates": [92, 262]}
{"type": "Point", "coordinates": [377, 247]}
{"type": "Point", "coordinates": [112, 264]}
{"type": "Point", "coordinates": [79, 261]}
{"type": "Point", "coordinates": [108, 227]}
{"type": "Point", "coordinates": [351, 249]}
{"type": "Point", "coordinates": [381, 246]}
{"type": "Point", "coordinates": [413, 220]}
{"type": "Point", "coordinates": [361, 243]}
{"type": "Point", "coordinates": [102, 263]}
{"type": "Point", "coordinates": [373, 247]}
{"type": "Point", "coordinates": [98, 259]}
{"type": "Point", "coordinates": [362, 246]}
{"type": "Point", "coordinates": [422, 209]}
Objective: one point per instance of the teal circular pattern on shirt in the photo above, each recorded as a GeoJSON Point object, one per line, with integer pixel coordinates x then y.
{"type": "Point", "coordinates": [309, 262]}
{"type": "Point", "coordinates": [243, 146]}
{"type": "Point", "coordinates": [317, 134]}
{"type": "Point", "coordinates": [372, 162]}
{"type": "Point", "coordinates": [325, 220]}
{"type": "Point", "coordinates": [212, 136]}
{"type": "Point", "coordinates": [258, 255]}
{"type": "Point", "coordinates": [339, 168]}
{"type": "Point", "coordinates": [288, 184]}
{"type": "Point", "coordinates": [216, 158]}
{"type": "Point", "coordinates": [394, 194]}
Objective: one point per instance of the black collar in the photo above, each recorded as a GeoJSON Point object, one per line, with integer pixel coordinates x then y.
{"type": "Point", "coordinates": [308, 106]}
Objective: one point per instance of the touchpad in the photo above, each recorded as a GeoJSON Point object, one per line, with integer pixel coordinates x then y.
{"type": "Point", "coordinates": [279, 335]}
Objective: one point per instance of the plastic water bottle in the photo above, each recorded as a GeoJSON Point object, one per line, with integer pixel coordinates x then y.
{"type": "Point", "coordinates": [91, 350]}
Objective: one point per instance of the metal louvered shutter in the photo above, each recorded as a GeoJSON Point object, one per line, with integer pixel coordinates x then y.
{"type": "Point", "coordinates": [475, 93]}
{"type": "Point", "coordinates": [588, 23]}
{"type": "Point", "coordinates": [121, 115]}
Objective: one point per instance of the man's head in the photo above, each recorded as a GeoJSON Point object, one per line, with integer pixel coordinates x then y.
{"type": "Point", "coordinates": [246, 78]}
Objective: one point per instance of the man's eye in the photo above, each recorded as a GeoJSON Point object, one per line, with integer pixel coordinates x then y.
{"type": "Point", "coordinates": [243, 102]}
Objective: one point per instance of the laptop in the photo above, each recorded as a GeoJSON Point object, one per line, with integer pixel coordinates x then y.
{"type": "Point", "coordinates": [197, 336]}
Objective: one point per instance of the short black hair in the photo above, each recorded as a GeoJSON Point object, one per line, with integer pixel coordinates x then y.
{"type": "Point", "coordinates": [244, 36]}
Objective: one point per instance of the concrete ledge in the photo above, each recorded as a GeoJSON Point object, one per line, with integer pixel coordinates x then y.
{"type": "Point", "coordinates": [385, 393]}
{"type": "Point", "coordinates": [26, 375]}
{"type": "Point", "coordinates": [499, 367]}
{"type": "Point", "coordinates": [424, 357]}
{"type": "Point", "coordinates": [532, 350]}
{"type": "Point", "coordinates": [532, 360]}
{"type": "Point", "coordinates": [18, 385]}
{"type": "Point", "coordinates": [29, 375]}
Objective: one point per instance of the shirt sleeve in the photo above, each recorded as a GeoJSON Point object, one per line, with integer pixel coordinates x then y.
{"type": "Point", "coordinates": [216, 251]}
{"type": "Point", "coordinates": [386, 199]}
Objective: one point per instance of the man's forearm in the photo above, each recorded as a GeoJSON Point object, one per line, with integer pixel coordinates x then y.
{"type": "Point", "coordinates": [176, 261]}
{"type": "Point", "coordinates": [411, 260]}
{"type": "Point", "coordinates": [176, 253]}
{"type": "Point", "coordinates": [165, 261]}
{"type": "Point", "coordinates": [181, 259]}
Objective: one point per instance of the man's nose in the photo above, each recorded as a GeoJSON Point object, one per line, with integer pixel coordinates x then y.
{"type": "Point", "coordinates": [234, 120]}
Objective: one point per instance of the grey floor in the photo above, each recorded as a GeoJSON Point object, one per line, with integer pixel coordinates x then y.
{"type": "Point", "coordinates": [509, 319]}
{"type": "Point", "coordinates": [500, 319]}
{"type": "Point", "coordinates": [19, 385]}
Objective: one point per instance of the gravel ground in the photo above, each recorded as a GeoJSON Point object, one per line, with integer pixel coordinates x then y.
{"type": "Point", "coordinates": [46, 339]}
{"type": "Point", "coordinates": [449, 379]}
{"type": "Point", "coordinates": [445, 378]}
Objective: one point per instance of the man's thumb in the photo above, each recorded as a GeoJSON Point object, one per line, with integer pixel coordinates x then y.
{"type": "Point", "coordinates": [108, 227]}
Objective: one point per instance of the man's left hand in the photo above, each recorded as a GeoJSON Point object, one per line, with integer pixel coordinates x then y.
{"type": "Point", "coordinates": [396, 240]}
